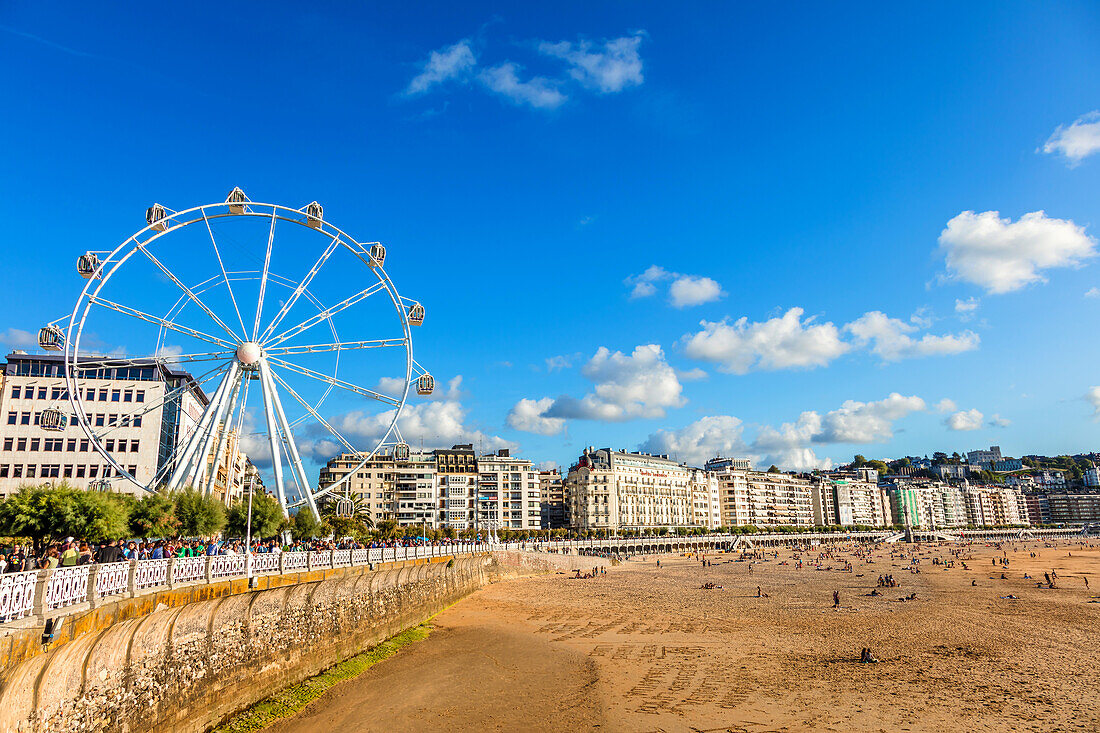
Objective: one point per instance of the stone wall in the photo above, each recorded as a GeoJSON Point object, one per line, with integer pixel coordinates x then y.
{"type": "Point", "coordinates": [188, 658]}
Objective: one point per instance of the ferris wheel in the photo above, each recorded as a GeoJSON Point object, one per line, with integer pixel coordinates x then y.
{"type": "Point", "coordinates": [261, 329]}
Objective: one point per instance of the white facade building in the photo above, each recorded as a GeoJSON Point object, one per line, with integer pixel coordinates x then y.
{"type": "Point", "coordinates": [618, 490]}
{"type": "Point", "coordinates": [508, 492]}
{"type": "Point", "coordinates": [764, 499]}
{"type": "Point", "coordinates": [124, 404]}
{"type": "Point", "coordinates": [705, 500]}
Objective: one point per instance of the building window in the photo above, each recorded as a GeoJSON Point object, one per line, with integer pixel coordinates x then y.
{"type": "Point", "coordinates": [110, 446]}
{"type": "Point", "coordinates": [84, 445]}
{"type": "Point", "coordinates": [41, 393]}
{"type": "Point", "coordinates": [93, 471]}
{"type": "Point", "coordinates": [115, 393]}
{"type": "Point", "coordinates": [30, 470]}
{"type": "Point", "coordinates": [4, 471]}
{"type": "Point", "coordinates": [17, 470]}
{"type": "Point", "coordinates": [80, 471]}
{"type": "Point", "coordinates": [9, 443]}
{"type": "Point", "coordinates": [55, 393]}
{"type": "Point", "coordinates": [15, 394]}
{"type": "Point", "coordinates": [103, 394]}
{"type": "Point", "coordinates": [68, 472]}
{"type": "Point", "coordinates": [139, 396]}
{"type": "Point", "coordinates": [21, 444]}
{"type": "Point", "coordinates": [99, 420]}
{"type": "Point", "coordinates": [12, 418]}
{"type": "Point", "coordinates": [133, 446]}
{"type": "Point", "coordinates": [25, 418]}
{"type": "Point", "coordinates": [128, 396]}
{"type": "Point", "coordinates": [91, 395]}
{"type": "Point", "coordinates": [34, 444]}
{"type": "Point", "coordinates": [71, 445]}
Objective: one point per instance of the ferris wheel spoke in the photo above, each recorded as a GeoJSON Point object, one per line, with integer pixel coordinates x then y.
{"type": "Point", "coordinates": [335, 382]}
{"type": "Point", "coordinates": [223, 429]}
{"type": "Point", "coordinates": [301, 288]}
{"type": "Point", "coordinates": [135, 313]}
{"type": "Point", "coordinates": [325, 314]}
{"type": "Point", "coordinates": [337, 346]}
{"type": "Point", "coordinates": [95, 364]}
{"type": "Point", "coordinates": [316, 416]}
{"type": "Point", "coordinates": [263, 278]}
{"type": "Point", "coordinates": [165, 398]}
{"type": "Point", "coordinates": [225, 275]}
{"type": "Point", "coordinates": [194, 298]}
{"type": "Point", "coordinates": [198, 436]}
{"type": "Point", "coordinates": [231, 472]}
{"type": "Point", "coordinates": [277, 424]}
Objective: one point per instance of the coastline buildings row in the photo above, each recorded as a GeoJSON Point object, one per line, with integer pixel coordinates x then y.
{"type": "Point", "coordinates": [125, 404]}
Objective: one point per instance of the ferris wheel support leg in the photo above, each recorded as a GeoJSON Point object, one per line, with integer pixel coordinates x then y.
{"type": "Point", "coordinates": [273, 438]}
{"type": "Point", "coordinates": [184, 460]}
{"type": "Point", "coordinates": [223, 427]}
{"type": "Point", "coordinates": [198, 463]}
{"type": "Point", "coordinates": [292, 449]}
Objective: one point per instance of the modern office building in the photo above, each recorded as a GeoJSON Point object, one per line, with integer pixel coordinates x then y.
{"type": "Point", "coordinates": [141, 411]}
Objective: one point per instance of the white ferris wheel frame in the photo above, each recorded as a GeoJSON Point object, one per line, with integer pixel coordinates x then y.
{"type": "Point", "coordinates": [216, 418]}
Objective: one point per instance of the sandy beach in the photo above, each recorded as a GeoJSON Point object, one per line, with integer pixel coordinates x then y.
{"type": "Point", "coordinates": [648, 649]}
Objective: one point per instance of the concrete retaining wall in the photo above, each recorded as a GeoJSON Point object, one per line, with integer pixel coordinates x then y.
{"type": "Point", "coordinates": [188, 658]}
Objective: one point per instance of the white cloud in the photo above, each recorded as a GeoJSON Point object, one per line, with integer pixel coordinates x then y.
{"type": "Point", "coordinates": [438, 423]}
{"type": "Point", "coordinates": [608, 67]}
{"type": "Point", "coordinates": [691, 375]}
{"type": "Point", "coordinates": [890, 340]}
{"type": "Point", "coordinates": [452, 62]}
{"type": "Point", "coordinates": [866, 422]}
{"type": "Point", "coordinates": [538, 92]}
{"type": "Point", "coordinates": [965, 308]}
{"type": "Point", "coordinates": [18, 338]}
{"type": "Point", "coordinates": [527, 415]}
{"type": "Point", "coordinates": [996, 421]}
{"type": "Point", "coordinates": [699, 441]}
{"type": "Point", "coordinates": [779, 343]}
{"type": "Point", "coordinates": [1078, 140]}
{"type": "Point", "coordinates": [965, 420]}
{"type": "Point", "coordinates": [627, 386]}
{"type": "Point", "coordinates": [688, 290]}
{"type": "Point", "coordinates": [555, 363]}
{"type": "Point", "coordinates": [946, 405]}
{"type": "Point", "coordinates": [1093, 397]}
{"type": "Point", "coordinates": [684, 291]}
{"type": "Point", "coordinates": [392, 386]}
{"type": "Point", "coordinates": [1001, 256]}
{"type": "Point", "coordinates": [548, 465]}
{"type": "Point", "coordinates": [1092, 293]}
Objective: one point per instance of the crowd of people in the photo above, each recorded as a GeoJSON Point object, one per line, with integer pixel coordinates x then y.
{"type": "Point", "coordinates": [71, 551]}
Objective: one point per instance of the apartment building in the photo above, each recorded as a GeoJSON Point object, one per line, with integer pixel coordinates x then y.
{"type": "Point", "coordinates": [508, 492]}
{"type": "Point", "coordinates": [706, 505]}
{"type": "Point", "coordinates": [847, 502]}
{"type": "Point", "coordinates": [764, 499]}
{"type": "Point", "coordinates": [553, 512]}
{"type": "Point", "coordinates": [372, 484]}
{"type": "Point", "coordinates": [457, 476]}
{"type": "Point", "coordinates": [620, 490]}
{"type": "Point", "coordinates": [141, 411]}
{"type": "Point", "coordinates": [1074, 508]}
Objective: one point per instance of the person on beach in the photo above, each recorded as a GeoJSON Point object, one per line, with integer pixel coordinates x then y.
{"type": "Point", "coordinates": [836, 599]}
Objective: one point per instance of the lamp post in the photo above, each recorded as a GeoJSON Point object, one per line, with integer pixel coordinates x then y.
{"type": "Point", "coordinates": [248, 533]}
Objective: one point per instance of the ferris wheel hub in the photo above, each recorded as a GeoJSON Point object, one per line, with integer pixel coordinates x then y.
{"type": "Point", "coordinates": [249, 353]}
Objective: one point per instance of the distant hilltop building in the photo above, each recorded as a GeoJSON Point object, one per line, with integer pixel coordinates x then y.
{"type": "Point", "coordinates": [985, 458]}
{"type": "Point", "coordinates": [722, 464]}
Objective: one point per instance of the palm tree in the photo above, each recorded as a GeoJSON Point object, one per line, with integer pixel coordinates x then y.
{"type": "Point", "coordinates": [360, 508]}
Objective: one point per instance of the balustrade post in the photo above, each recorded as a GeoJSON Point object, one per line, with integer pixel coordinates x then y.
{"type": "Point", "coordinates": [170, 577]}
{"type": "Point", "coordinates": [282, 558]}
{"type": "Point", "coordinates": [209, 568]}
{"type": "Point", "coordinates": [93, 585]}
{"type": "Point", "coordinates": [332, 558]}
{"type": "Point", "coordinates": [131, 578]}
{"type": "Point", "coordinates": [40, 608]}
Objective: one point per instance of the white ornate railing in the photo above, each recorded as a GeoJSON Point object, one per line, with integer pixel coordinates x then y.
{"type": "Point", "coordinates": [322, 559]}
{"type": "Point", "coordinates": [341, 558]}
{"type": "Point", "coordinates": [360, 557]}
{"type": "Point", "coordinates": [223, 566]}
{"type": "Point", "coordinates": [188, 569]}
{"type": "Point", "coordinates": [150, 573]}
{"type": "Point", "coordinates": [67, 586]}
{"type": "Point", "coordinates": [112, 578]}
{"type": "Point", "coordinates": [17, 594]}
{"type": "Point", "coordinates": [265, 562]}
{"type": "Point", "coordinates": [295, 561]}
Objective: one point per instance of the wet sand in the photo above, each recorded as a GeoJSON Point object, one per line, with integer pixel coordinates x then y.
{"type": "Point", "coordinates": [642, 649]}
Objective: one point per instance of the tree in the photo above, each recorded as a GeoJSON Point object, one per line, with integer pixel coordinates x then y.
{"type": "Point", "coordinates": [198, 515]}
{"type": "Point", "coordinates": [859, 461]}
{"type": "Point", "coordinates": [387, 529]}
{"type": "Point", "coordinates": [773, 469]}
{"type": "Point", "coordinates": [99, 517]}
{"type": "Point", "coordinates": [42, 513]}
{"type": "Point", "coordinates": [154, 516]}
{"type": "Point", "coordinates": [341, 527]}
{"type": "Point", "coordinates": [304, 526]}
{"type": "Point", "coordinates": [267, 516]}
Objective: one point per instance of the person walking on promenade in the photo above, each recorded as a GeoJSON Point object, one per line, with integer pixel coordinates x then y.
{"type": "Point", "coordinates": [836, 599]}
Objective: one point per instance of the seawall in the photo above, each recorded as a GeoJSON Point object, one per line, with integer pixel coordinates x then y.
{"type": "Point", "coordinates": [184, 659]}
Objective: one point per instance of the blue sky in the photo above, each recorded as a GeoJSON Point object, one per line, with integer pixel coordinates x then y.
{"type": "Point", "coordinates": [527, 167]}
